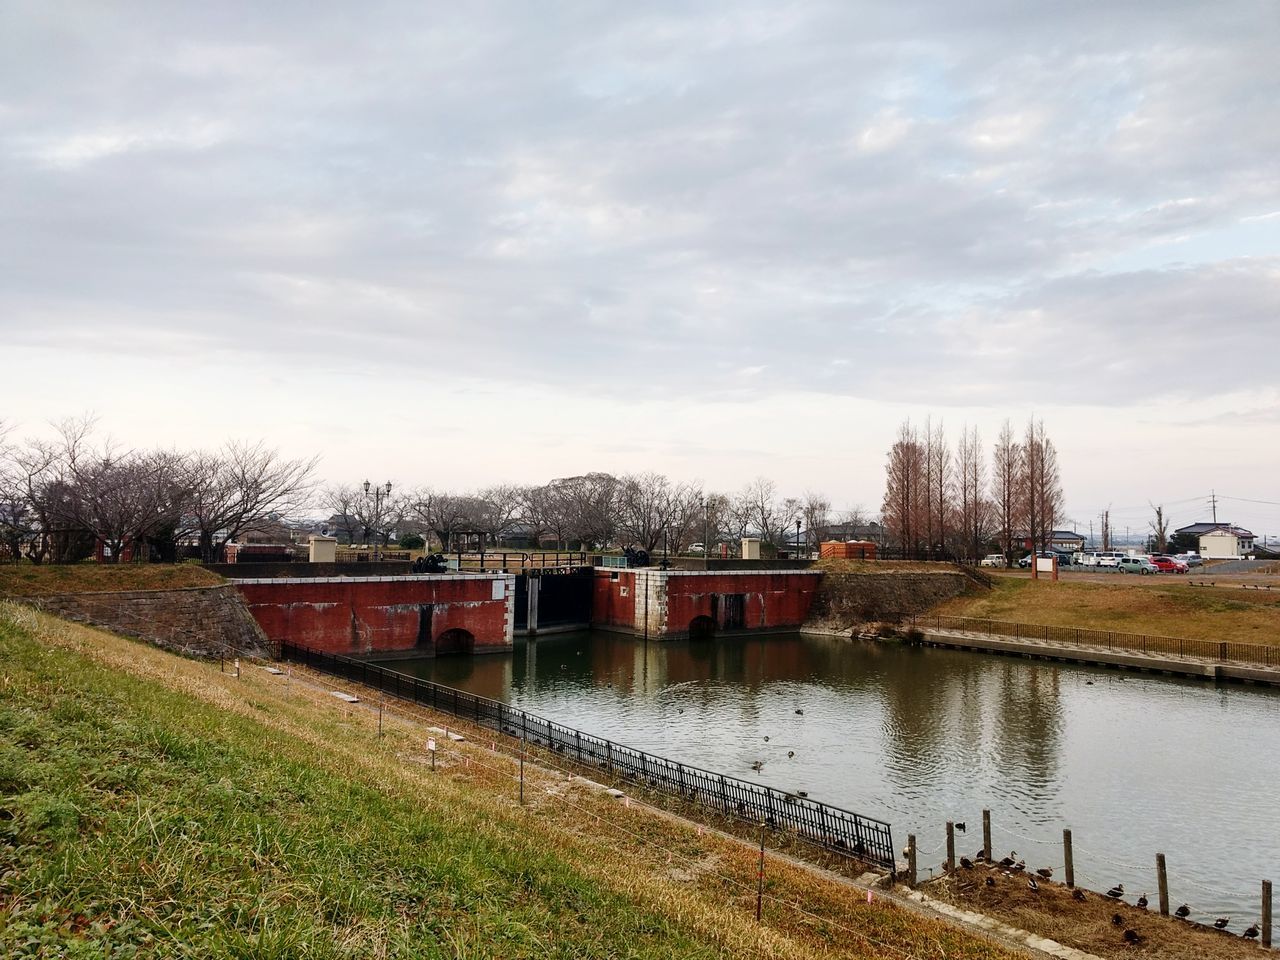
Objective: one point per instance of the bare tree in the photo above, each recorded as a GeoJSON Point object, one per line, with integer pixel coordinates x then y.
{"type": "Point", "coordinates": [340, 501]}
{"type": "Point", "coordinates": [1006, 483]}
{"type": "Point", "coordinates": [971, 483]}
{"type": "Point", "coordinates": [646, 508]}
{"type": "Point", "coordinates": [905, 490]}
{"type": "Point", "coordinates": [503, 507]}
{"type": "Point", "coordinates": [240, 486]}
{"type": "Point", "coordinates": [816, 510]}
{"type": "Point", "coordinates": [1042, 485]}
{"type": "Point", "coordinates": [938, 483]}
{"type": "Point", "coordinates": [1106, 529]}
{"type": "Point", "coordinates": [1160, 528]}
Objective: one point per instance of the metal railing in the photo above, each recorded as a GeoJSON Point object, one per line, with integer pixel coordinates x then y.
{"type": "Point", "coordinates": [1221, 651]}
{"type": "Point", "coordinates": [831, 828]}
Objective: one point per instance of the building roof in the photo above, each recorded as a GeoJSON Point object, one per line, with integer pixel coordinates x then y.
{"type": "Point", "coordinates": [1065, 535]}
{"type": "Point", "coordinates": [1199, 529]}
{"type": "Point", "coordinates": [1238, 532]}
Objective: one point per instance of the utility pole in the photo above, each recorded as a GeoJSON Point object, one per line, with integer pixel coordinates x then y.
{"type": "Point", "coordinates": [1213, 502]}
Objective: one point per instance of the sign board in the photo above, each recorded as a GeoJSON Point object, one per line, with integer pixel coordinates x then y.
{"type": "Point", "coordinates": [1045, 564]}
{"type": "Point", "coordinates": [431, 744]}
{"type": "Point", "coordinates": [499, 589]}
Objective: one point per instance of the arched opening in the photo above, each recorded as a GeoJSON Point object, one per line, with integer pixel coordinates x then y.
{"type": "Point", "coordinates": [455, 640]}
{"type": "Point", "coordinates": [702, 628]}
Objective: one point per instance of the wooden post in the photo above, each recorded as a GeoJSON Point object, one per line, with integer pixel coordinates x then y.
{"type": "Point", "coordinates": [911, 859]}
{"type": "Point", "coordinates": [1068, 859]}
{"type": "Point", "coordinates": [522, 749]}
{"type": "Point", "coordinates": [1266, 913]}
{"type": "Point", "coordinates": [951, 847]}
{"type": "Point", "coordinates": [1162, 878]}
{"type": "Point", "coordinates": [986, 835]}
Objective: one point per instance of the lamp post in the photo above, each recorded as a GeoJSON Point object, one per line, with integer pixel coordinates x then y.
{"type": "Point", "coordinates": [377, 495]}
{"type": "Point", "coordinates": [706, 545]}
{"type": "Point", "coordinates": [797, 538]}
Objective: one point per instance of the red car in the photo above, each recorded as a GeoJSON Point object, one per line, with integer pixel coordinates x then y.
{"type": "Point", "coordinates": [1169, 565]}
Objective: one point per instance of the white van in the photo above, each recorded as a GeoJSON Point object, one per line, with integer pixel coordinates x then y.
{"type": "Point", "coordinates": [1110, 558]}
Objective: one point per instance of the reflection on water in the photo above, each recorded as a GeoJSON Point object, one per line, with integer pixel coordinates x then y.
{"type": "Point", "coordinates": [1133, 764]}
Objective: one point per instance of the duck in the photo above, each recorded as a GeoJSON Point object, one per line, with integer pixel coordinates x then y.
{"type": "Point", "coordinates": [802, 793]}
{"type": "Point", "coordinates": [991, 881]}
{"type": "Point", "coordinates": [757, 765]}
{"type": "Point", "coordinates": [980, 856]}
{"type": "Point", "coordinates": [1182, 912]}
{"type": "Point", "coordinates": [1009, 861]}
{"type": "Point", "coordinates": [1221, 923]}
{"type": "Point", "coordinates": [1116, 892]}
{"type": "Point", "coordinates": [1117, 920]}
{"type": "Point", "coordinates": [1251, 933]}
{"type": "Point", "coordinates": [1032, 885]}
{"type": "Point", "coordinates": [960, 827]}
{"type": "Point", "coordinates": [799, 713]}
{"type": "Point", "coordinates": [966, 863]}
{"type": "Point", "coordinates": [1078, 894]}
{"type": "Point", "coordinates": [1142, 902]}
{"type": "Point", "coordinates": [1045, 873]}
{"type": "Point", "coordinates": [1132, 936]}
{"type": "Point", "coordinates": [790, 754]}
{"type": "Point", "coordinates": [766, 738]}
{"type": "Point", "coordinates": [1019, 866]}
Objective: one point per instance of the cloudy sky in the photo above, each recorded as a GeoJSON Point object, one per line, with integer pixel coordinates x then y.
{"type": "Point", "coordinates": [451, 244]}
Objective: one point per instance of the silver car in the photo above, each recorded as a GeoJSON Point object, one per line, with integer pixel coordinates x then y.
{"type": "Point", "coordinates": [1141, 565]}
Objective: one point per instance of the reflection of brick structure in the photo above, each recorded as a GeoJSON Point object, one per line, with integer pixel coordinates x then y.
{"type": "Point", "coordinates": [669, 604]}
{"type": "Point", "coordinates": [426, 614]}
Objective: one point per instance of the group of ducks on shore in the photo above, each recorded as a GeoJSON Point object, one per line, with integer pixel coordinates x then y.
{"type": "Point", "coordinates": [1011, 865]}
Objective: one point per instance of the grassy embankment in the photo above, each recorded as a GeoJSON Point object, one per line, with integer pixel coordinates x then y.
{"type": "Point", "coordinates": [153, 806]}
{"type": "Point", "coordinates": [1148, 605]}
{"type": "Point", "coordinates": [34, 580]}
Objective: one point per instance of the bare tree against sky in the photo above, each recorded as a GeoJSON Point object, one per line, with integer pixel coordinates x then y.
{"type": "Point", "coordinates": [1006, 495]}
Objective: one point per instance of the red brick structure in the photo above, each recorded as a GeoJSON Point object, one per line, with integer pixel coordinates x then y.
{"type": "Point", "coordinates": [671, 604]}
{"type": "Point", "coordinates": [423, 615]}
{"type": "Point", "coordinates": [847, 550]}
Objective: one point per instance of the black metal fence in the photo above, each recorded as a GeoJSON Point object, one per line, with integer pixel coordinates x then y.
{"type": "Point", "coordinates": [1223, 651]}
{"type": "Point", "coordinates": [831, 828]}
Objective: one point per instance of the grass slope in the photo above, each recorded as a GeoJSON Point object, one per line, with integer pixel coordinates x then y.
{"type": "Point", "coordinates": [32, 580]}
{"type": "Point", "coordinates": [1131, 605]}
{"type": "Point", "coordinates": [152, 806]}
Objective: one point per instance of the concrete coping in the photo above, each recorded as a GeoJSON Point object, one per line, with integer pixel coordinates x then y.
{"type": "Point", "coordinates": [409, 578]}
{"type": "Point", "coordinates": [714, 573]}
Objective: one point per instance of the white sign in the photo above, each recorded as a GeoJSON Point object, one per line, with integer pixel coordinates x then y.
{"type": "Point", "coordinates": [499, 589]}
{"type": "Point", "coordinates": [431, 744]}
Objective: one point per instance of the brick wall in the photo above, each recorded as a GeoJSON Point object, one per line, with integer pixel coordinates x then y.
{"type": "Point", "coordinates": [196, 621]}
{"type": "Point", "coordinates": [384, 615]}
{"type": "Point", "coordinates": [662, 604]}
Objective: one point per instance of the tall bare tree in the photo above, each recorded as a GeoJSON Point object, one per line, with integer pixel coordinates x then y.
{"type": "Point", "coordinates": [816, 510]}
{"type": "Point", "coordinates": [1159, 528]}
{"type": "Point", "coordinates": [1006, 487]}
{"type": "Point", "coordinates": [938, 483]}
{"type": "Point", "coordinates": [1042, 484]}
{"type": "Point", "coordinates": [905, 496]}
{"type": "Point", "coordinates": [971, 487]}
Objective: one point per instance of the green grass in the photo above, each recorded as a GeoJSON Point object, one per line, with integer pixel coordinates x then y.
{"type": "Point", "coordinates": [139, 823]}
{"type": "Point", "coordinates": [151, 806]}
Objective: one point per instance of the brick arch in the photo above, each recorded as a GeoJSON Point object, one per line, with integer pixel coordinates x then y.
{"type": "Point", "coordinates": [702, 627]}
{"type": "Point", "coordinates": [455, 640]}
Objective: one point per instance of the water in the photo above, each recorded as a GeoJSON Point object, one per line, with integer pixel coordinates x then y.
{"type": "Point", "coordinates": [1133, 764]}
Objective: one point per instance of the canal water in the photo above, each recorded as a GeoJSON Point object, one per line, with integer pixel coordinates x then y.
{"type": "Point", "coordinates": [1133, 764]}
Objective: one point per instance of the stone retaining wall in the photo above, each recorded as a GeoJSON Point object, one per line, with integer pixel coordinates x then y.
{"type": "Point", "coordinates": [846, 601]}
{"type": "Point", "coordinates": [194, 621]}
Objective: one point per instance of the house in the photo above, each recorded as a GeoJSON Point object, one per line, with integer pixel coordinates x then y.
{"type": "Point", "coordinates": [1220, 541]}
{"type": "Point", "coordinates": [1063, 541]}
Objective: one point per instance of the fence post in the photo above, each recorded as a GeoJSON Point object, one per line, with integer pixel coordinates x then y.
{"type": "Point", "coordinates": [760, 875]}
{"type": "Point", "coordinates": [1162, 879]}
{"type": "Point", "coordinates": [911, 860]}
{"type": "Point", "coordinates": [951, 847]}
{"type": "Point", "coordinates": [1068, 859]}
{"type": "Point", "coordinates": [986, 835]}
{"type": "Point", "coordinates": [1266, 913]}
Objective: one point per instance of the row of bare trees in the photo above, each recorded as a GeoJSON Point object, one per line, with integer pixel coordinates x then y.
{"type": "Point", "coordinates": [945, 501]}
{"type": "Point", "coordinates": [595, 510]}
{"type": "Point", "coordinates": [65, 499]}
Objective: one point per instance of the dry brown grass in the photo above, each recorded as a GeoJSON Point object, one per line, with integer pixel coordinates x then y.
{"type": "Point", "coordinates": [30, 580]}
{"type": "Point", "coordinates": [1145, 605]}
{"type": "Point", "coordinates": [882, 566]}
{"type": "Point", "coordinates": [1053, 913]}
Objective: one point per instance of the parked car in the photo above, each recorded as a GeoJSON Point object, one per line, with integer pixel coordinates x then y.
{"type": "Point", "coordinates": [698, 548]}
{"type": "Point", "coordinates": [1110, 558]}
{"type": "Point", "coordinates": [1026, 561]}
{"type": "Point", "coordinates": [1087, 558]}
{"type": "Point", "coordinates": [993, 560]}
{"type": "Point", "coordinates": [1190, 559]}
{"type": "Point", "coordinates": [1141, 565]}
{"type": "Point", "coordinates": [1169, 565]}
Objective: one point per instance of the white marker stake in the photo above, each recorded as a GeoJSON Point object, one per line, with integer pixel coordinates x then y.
{"type": "Point", "coordinates": [431, 748]}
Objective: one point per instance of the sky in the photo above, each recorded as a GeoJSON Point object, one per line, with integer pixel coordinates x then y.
{"type": "Point", "coordinates": [451, 245]}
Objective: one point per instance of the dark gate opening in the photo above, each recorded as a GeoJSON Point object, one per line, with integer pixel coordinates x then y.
{"type": "Point", "coordinates": [702, 628]}
{"type": "Point", "coordinates": [455, 640]}
{"type": "Point", "coordinates": [735, 611]}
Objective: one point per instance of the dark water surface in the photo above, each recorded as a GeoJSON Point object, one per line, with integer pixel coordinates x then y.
{"type": "Point", "coordinates": [1133, 764]}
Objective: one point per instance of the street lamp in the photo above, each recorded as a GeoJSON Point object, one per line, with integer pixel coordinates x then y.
{"type": "Point", "coordinates": [377, 495]}
{"type": "Point", "coordinates": [797, 538]}
{"type": "Point", "coordinates": [706, 544]}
